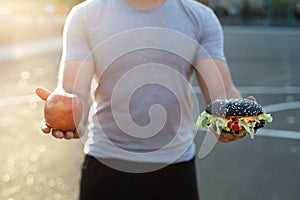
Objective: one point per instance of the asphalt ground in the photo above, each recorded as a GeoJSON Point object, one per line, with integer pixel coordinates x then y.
{"type": "Point", "coordinates": [33, 166]}
{"type": "Point", "coordinates": [264, 63]}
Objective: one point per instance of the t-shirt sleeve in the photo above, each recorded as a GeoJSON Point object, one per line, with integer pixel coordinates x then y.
{"type": "Point", "coordinates": [211, 39]}
{"type": "Point", "coordinates": [75, 40]}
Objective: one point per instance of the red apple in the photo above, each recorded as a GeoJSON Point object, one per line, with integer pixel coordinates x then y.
{"type": "Point", "coordinates": [62, 110]}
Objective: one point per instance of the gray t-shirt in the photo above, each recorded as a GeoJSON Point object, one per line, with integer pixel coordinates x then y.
{"type": "Point", "coordinates": [143, 62]}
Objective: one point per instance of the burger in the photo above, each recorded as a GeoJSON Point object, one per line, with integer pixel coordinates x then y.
{"type": "Point", "coordinates": [237, 116]}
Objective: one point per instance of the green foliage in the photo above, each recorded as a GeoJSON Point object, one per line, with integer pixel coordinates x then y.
{"type": "Point", "coordinates": [280, 7]}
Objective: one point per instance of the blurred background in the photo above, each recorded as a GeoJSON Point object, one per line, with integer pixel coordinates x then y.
{"type": "Point", "coordinates": [262, 44]}
{"type": "Point", "coordinates": [257, 12]}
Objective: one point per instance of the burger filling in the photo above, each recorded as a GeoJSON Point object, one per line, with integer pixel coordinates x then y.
{"type": "Point", "coordinates": [233, 124]}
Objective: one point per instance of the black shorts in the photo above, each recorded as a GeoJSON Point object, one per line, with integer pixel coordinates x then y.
{"type": "Point", "coordinates": [173, 182]}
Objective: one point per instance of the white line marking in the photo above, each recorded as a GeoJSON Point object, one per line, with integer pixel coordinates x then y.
{"type": "Point", "coordinates": [25, 49]}
{"type": "Point", "coordinates": [250, 90]}
{"type": "Point", "coordinates": [22, 50]}
{"type": "Point", "coordinates": [279, 134]}
{"type": "Point", "coordinates": [270, 90]}
{"type": "Point", "coordinates": [282, 106]}
{"type": "Point", "coordinates": [262, 90]}
{"type": "Point", "coordinates": [255, 90]}
{"type": "Point", "coordinates": [18, 100]}
{"type": "Point", "coordinates": [264, 132]}
{"type": "Point", "coordinates": [262, 30]}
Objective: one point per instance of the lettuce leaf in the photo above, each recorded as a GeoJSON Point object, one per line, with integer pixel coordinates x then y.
{"type": "Point", "coordinates": [207, 120]}
{"type": "Point", "coordinates": [248, 126]}
{"type": "Point", "coordinates": [219, 124]}
{"type": "Point", "coordinates": [203, 120]}
{"type": "Point", "coordinates": [267, 117]}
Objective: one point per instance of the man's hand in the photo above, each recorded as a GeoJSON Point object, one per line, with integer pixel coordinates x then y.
{"type": "Point", "coordinates": [62, 134]}
{"type": "Point", "coordinates": [75, 77]}
{"type": "Point", "coordinates": [227, 137]}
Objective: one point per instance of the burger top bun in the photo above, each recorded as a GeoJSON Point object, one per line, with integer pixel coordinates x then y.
{"type": "Point", "coordinates": [234, 107]}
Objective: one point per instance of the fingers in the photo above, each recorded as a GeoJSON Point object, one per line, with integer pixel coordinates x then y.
{"type": "Point", "coordinates": [65, 135]}
{"type": "Point", "coordinates": [61, 134]}
{"type": "Point", "coordinates": [225, 137]}
{"type": "Point", "coordinates": [46, 129]}
{"type": "Point", "coordinates": [228, 137]}
{"type": "Point", "coordinates": [252, 98]}
{"type": "Point", "coordinates": [58, 134]}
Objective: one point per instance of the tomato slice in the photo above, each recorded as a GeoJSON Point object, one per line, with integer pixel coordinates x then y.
{"type": "Point", "coordinates": [234, 125]}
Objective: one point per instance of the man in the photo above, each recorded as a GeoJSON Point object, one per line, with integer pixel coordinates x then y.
{"type": "Point", "coordinates": [142, 53]}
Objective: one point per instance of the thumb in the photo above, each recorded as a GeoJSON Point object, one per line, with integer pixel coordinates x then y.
{"type": "Point", "coordinates": [42, 93]}
{"type": "Point", "coordinates": [252, 98]}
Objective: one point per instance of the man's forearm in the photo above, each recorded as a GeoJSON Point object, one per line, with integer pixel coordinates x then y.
{"type": "Point", "coordinates": [227, 93]}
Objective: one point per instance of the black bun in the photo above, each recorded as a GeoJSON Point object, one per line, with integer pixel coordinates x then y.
{"type": "Point", "coordinates": [234, 107]}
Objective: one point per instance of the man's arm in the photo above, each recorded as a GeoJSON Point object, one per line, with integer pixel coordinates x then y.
{"type": "Point", "coordinates": [75, 77]}
{"type": "Point", "coordinates": [215, 81]}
